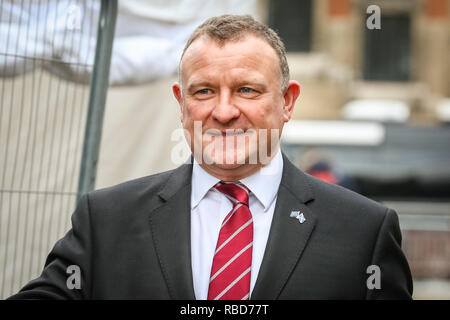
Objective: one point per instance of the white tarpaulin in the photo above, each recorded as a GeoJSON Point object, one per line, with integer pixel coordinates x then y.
{"type": "Point", "coordinates": [60, 36]}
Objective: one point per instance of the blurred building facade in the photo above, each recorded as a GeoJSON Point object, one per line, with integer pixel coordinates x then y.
{"type": "Point", "coordinates": [339, 59]}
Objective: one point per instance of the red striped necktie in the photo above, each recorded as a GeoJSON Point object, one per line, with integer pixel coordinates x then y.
{"type": "Point", "coordinates": [230, 273]}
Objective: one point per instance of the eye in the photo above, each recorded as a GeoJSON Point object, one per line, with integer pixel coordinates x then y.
{"type": "Point", "coordinates": [248, 93]}
{"type": "Point", "coordinates": [204, 91]}
{"type": "Point", "coordinates": [246, 90]}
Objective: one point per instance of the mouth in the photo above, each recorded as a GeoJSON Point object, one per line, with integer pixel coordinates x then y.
{"type": "Point", "coordinates": [225, 133]}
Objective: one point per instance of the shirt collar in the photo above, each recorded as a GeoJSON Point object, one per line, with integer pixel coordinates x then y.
{"type": "Point", "coordinates": [202, 182]}
{"type": "Point", "coordinates": [263, 184]}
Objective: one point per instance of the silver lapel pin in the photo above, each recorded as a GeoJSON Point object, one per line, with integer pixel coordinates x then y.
{"type": "Point", "coordinates": [298, 215]}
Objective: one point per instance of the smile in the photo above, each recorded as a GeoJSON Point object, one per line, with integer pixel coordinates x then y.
{"type": "Point", "coordinates": [225, 133]}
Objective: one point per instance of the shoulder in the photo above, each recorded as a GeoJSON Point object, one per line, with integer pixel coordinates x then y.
{"type": "Point", "coordinates": [348, 212]}
{"type": "Point", "coordinates": [340, 196]}
{"type": "Point", "coordinates": [331, 202]}
{"type": "Point", "coordinates": [141, 189]}
{"type": "Point", "coordinates": [112, 207]}
{"type": "Point", "coordinates": [326, 195]}
{"type": "Point", "coordinates": [148, 183]}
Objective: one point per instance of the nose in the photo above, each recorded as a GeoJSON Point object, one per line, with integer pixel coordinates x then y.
{"type": "Point", "coordinates": [225, 111]}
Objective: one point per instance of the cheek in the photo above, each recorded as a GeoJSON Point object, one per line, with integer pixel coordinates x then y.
{"type": "Point", "coordinates": [195, 111]}
{"type": "Point", "coordinates": [265, 116]}
{"type": "Point", "coordinates": [255, 112]}
{"type": "Point", "coordinates": [279, 112]}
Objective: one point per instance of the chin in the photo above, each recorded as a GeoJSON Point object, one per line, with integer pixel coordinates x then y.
{"type": "Point", "coordinates": [221, 161]}
{"type": "Point", "coordinates": [235, 159]}
{"type": "Point", "coordinates": [225, 166]}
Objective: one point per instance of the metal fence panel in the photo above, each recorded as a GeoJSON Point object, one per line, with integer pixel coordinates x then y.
{"type": "Point", "coordinates": [46, 60]}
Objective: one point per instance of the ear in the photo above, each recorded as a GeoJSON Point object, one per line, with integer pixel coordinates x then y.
{"type": "Point", "coordinates": [176, 89]}
{"type": "Point", "coordinates": [290, 96]}
{"type": "Point", "coordinates": [177, 92]}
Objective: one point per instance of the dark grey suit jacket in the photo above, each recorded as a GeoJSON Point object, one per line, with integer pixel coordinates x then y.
{"type": "Point", "coordinates": [132, 241]}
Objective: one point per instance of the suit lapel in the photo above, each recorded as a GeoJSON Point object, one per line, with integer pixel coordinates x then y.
{"type": "Point", "coordinates": [288, 237]}
{"type": "Point", "coordinates": [170, 226]}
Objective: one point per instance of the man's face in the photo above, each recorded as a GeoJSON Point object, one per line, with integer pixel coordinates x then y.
{"type": "Point", "coordinates": [232, 92]}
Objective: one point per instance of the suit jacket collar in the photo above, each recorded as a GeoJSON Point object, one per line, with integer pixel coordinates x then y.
{"type": "Point", "coordinates": [288, 237]}
{"type": "Point", "coordinates": [296, 181]}
{"type": "Point", "coordinates": [179, 178]}
{"type": "Point", "coordinates": [170, 226]}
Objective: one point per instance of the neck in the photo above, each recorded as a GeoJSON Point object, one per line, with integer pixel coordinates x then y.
{"type": "Point", "coordinates": [234, 172]}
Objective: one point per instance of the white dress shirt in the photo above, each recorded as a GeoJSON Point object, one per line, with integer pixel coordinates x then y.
{"type": "Point", "coordinates": [209, 207]}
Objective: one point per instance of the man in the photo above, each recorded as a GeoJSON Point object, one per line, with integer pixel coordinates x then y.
{"type": "Point", "coordinates": [240, 222]}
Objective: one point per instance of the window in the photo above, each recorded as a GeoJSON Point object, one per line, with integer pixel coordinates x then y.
{"type": "Point", "coordinates": [291, 19]}
{"type": "Point", "coordinates": [387, 50]}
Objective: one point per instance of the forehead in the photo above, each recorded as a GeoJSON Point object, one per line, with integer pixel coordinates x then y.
{"type": "Point", "coordinates": [248, 54]}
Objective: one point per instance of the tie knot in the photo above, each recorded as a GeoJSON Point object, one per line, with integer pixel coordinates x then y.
{"type": "Point", "coordinates": [235, 191]}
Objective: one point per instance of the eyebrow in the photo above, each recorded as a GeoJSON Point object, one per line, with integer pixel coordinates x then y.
{"type": "Point", "coordinates": [239, 83]}
{"type": "Point", "coordinates": [257, 84]}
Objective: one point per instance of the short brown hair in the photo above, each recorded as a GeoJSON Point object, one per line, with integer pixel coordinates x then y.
{"type": "Point", "coordinates": [233, 27]}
